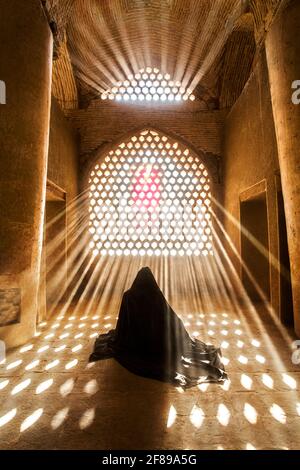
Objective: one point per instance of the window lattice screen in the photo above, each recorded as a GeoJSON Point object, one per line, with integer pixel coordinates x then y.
{"type": "Point", "coordinates": [149, 85]}
{"type": "Point", "coordinates": [150, 196]}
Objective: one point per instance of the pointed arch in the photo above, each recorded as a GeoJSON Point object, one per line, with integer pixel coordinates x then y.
{"type": "Point", "coordinates": [210, 160]}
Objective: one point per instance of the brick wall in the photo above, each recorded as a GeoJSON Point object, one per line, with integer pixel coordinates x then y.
{"type": "Point", "coordinates": [250, 156]}
{"type": "Point", "coordinates": [108, 121]}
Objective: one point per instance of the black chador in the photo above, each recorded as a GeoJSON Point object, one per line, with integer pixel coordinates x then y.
{"type": "Point", "coordinates": [150, 340]}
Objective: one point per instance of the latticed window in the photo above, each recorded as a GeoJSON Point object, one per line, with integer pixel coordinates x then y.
{"type": "Point", "coordinates": [150, 196]}
{"type": "Point", "coordinates": [149, 85]}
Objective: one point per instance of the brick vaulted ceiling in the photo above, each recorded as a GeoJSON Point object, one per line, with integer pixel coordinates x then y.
{"type": "Point", "coordinates": [209, 45]}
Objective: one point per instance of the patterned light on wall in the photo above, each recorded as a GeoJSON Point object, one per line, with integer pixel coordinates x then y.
{"type": "Point", "coordinates": [149, 85]}
{"type": "Point", "coordinates": [150, 196]}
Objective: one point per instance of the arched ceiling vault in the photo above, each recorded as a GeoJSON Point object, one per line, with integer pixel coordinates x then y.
{"type": "Point", "coordinates": [193, 40]}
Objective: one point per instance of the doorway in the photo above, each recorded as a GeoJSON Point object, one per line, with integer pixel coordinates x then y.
{"type": "Point", "coordinates": [255, 247]}
{"type": "Point", "coordinates": [53, 273]}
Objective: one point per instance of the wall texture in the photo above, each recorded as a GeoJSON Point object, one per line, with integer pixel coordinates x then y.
{"type": "Point", "coordinates": [250, 156]}
{"type": "Point", "coordinates": [63, 152]}
{"type": "Point", "coordinates": [106, 121]}
{"type": "Point", "coordinates": [63, 170]}
{"type": "Point", "coordinates": [24, 136]}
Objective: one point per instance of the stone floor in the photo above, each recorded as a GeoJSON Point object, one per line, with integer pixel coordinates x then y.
{"type": "Point", "coordinates": [51, 398]}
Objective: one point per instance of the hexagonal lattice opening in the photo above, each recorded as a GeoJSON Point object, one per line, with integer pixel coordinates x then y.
{"type": "Point", "coordinates": [150, 196]}
{"type": "Point", "coordinates": [149, 85]}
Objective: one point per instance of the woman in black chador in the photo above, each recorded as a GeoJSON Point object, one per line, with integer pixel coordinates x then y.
{"type": "Point", "coordinates": [150, 340]}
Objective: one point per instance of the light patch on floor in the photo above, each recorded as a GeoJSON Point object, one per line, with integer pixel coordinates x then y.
{"type": "Point", "coordinates": [51, 398]}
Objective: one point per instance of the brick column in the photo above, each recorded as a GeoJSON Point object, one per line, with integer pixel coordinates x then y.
{"type": "Point", "coordinates": [283, 56]}
{"type": "Point", "coordinates": [25, 67]}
